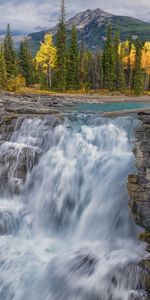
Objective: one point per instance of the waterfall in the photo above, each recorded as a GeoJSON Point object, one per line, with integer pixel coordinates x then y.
{"type": "Point", "coordinates": [65, 229]}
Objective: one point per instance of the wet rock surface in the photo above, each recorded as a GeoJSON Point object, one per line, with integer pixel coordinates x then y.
{"type": "Point", "coordinates": [17, 105]}
{"type": "Point", "coordinates": [139, 193]}
{"type": "Point", "coordinates": [15, 162]}
{"type": "Point", "coordinates": [10, 217]}
{"type": "Point", "coordinates": [18, 157]}
{"type": "Point", "coordinates": [139, 184]}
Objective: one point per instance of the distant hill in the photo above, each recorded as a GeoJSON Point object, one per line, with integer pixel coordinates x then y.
{"type": "Point", "coordinates": [92, 28]}
{"type": "Point", "coordinates": [17, 37]}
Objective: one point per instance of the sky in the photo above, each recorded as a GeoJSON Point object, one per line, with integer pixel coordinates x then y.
{"type": "Point", "coordinates": [26, 15]}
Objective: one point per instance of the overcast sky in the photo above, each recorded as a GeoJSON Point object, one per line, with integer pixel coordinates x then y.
{"type": "Point", "coordinates": [28, 14]}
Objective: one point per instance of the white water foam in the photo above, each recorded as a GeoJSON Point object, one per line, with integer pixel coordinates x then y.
{"type": "Point", "coordinates": [69, 234]}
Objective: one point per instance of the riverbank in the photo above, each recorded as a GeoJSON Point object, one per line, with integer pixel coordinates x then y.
{"type": "Point", "coordinates": [84, 97]}
{"type": "Point", "coordinates": [13, 105]}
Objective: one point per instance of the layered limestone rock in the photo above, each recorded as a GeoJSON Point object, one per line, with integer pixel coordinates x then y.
{"type": "Point", "coordinates": [139, 193]}
{"type": "Point", "coordinates": [15, 162]}
{"type": "Point", "coordinates": [18, 157]}
{"type": "Point", "coordinates": [139, 184]}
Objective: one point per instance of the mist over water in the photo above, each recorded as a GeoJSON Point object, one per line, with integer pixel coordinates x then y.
{"type": "Point", "coordinates": [68, 234]}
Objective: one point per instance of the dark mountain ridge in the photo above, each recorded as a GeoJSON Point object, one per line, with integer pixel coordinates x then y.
{"type": "Point", "coordinates": [92, 27]}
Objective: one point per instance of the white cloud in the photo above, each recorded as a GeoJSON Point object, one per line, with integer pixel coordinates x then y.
{"type": "Point", "coordinates": [26, 15]}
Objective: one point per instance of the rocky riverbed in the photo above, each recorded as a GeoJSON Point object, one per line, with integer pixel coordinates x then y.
{"type": "Point", "coordinates": [13, 105]}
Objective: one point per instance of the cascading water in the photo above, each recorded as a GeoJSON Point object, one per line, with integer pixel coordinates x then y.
{"type": "Point", "coordinates": [66, 232]}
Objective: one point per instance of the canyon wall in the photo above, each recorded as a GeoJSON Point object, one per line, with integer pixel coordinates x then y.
{"type": "Point", "coordinates": [139, 191]}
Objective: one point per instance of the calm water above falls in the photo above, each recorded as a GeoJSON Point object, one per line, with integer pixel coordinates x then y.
{"type": "Point", "coordinates": [69, 234]}
{"type": "Point", "coordinates": [109, 106]}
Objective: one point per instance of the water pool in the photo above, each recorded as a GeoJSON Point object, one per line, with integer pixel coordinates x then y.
{"type": "Point", "coordinates": [108, 107]}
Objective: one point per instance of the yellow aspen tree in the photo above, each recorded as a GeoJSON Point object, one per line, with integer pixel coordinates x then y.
{"type": "Point", "coordinates": [46, 58]}
{"type": "Point", "coordinates": [145, 60]}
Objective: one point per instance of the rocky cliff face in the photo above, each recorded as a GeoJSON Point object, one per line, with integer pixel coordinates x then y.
{"type": "Point", "coordinates": [83, 19]}
{"type": "Point", "coordinates": [139, 191]}
{"type": "Point", "coordinates": [17, 158]}
{"type": "Point", "coordinates": [139, 184]}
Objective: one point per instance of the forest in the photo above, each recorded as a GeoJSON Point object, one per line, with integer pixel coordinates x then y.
{"type": "Point", "coordinates": [63, 65]}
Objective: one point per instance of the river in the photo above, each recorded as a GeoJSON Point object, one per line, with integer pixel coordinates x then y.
{"type": "Point", "coordinates": [66, 230]}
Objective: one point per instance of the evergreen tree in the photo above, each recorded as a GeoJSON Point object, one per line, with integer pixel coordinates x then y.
{"type": "Point", "coordinates": [138, 78]}
{"type": "Point", "coordinates": [109, 61]}
{"type": "Point", "coordinates": [89, 70]}
{"type": "Point", "coordinates": [60, 74]}
{"type": "Point", "coordinates": [10, 55]}
{"type": "Point", "coordinates": [97, 70]}
{"type": "Point", "coordinates": [82, 71]}
{"type": "Point", "coordinates": [101, 83]}
{"type": "Point", "coordinates": [94, 70]}
{"type": "Point", "coordinates": [104, 62]}
{"type": "Point", "coordinates": [3, 75]}
{"type": "Point", "coordinates": [129, 66]}
{"type": "Point", "coordinates": [73, 62]}
{"type": "Point", "coordinates": [26, 62]}
{"type": "Point", "coordinates": [120, 76]}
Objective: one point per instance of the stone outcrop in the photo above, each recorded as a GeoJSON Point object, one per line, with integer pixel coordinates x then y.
{"type": "Point", "coordinates": [139, 184]}
{"type": "Point", "coordinates": [139, 193]}
{"type": "Point", "coordinates": [11, 214]}
{"type": "Point", "coordinates": [15, 163]}
{"type": "Point", "coordinates": [17, 159]}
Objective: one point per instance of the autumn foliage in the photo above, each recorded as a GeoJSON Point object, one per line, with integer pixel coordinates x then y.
{"type": "Point", "coordinates": [66, 65]}
{"type": "Point", "coordinates": [46, 58]}
{"type": "Point", "coordinates": [145, 60]}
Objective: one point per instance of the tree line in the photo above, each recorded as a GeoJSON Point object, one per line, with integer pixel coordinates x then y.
{"type": "Point", "coordinates": [16, 69]}
{"type": "Point", "coordinates": [64, 65]}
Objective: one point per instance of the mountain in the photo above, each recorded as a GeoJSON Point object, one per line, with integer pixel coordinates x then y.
{"type": "Point", "coordinates": [18, 36]}
{"type": "Point", "coordinates": [92, 28]}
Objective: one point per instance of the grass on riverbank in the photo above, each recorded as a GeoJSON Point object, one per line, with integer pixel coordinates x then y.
{"type": "Point", "coordinates": [28, 90]}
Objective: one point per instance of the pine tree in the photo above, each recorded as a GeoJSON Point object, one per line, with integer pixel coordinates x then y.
{"type": "Point", "coordinates": [10, 55]}
{"type": "Point", "coordinates": [73, 62]}
{"type": "Point", "coordinates": [91, 63]}
{"type": "Point", "coordinates": [97, 70]}
{"type": "Point", "coordinates": [104, 63]}
{"type": "Point", "coordinates": [129, 66]}
{"type": "Point", "coordinates": [101, 83]}
{"type": "Point", "coordinates": [138, 78]}
{"type": "Point", "coordinates": [26, 62]}
{"type": "Point", "coordinates": [82, 71]}
{"type": "Point", "coordinates": [60, 74]}
{"type": "Point", "coordinates": [94, 70]}
{"type": "Point", "coordinates": [3, 75]}
{"type": "Point", "coordinates": [119, 70]}
{"type": "Point", "coordinates": [109, 61]}
{"type": "Point", "coordinates": [89, 70]}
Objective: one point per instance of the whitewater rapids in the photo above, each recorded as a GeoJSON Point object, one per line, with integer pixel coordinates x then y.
{"type": "Point", "coordinates": [68, 233]}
